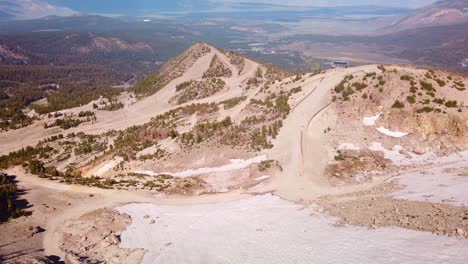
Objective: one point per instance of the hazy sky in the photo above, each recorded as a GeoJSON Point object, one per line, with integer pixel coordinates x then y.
{"type": "Point", "coordinates": [110, 6]}
{"type": "Point", "coordinates": [393, 3]}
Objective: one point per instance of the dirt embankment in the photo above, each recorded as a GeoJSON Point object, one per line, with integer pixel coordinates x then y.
{"type": "Point", "coordinates": [95, 236]}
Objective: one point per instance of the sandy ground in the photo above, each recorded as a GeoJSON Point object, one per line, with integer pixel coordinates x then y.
{"type": "Point", "coordinates": [267, 229]}
{"type": "Point", "coordinates": [235, 164]}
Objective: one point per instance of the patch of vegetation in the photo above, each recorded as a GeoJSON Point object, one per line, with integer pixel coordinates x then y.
{"type": "Point", "coordinates": [86, 114]}
{"type": "Point", "coordinates": [441, 82]}
{"type": "Point", "coordinates": [425, 109]}
{"type": "Point", "coordinates": [8, 193]}
{"type": "Point", "coordinates": [340, 156]}
{"type": "Point", "coordinates": [382, 68]}
{"type": "Point", "coordinates": [217, 69]}
{"type": "Point", "coordinates": [451, 104]}
{"type": "Point", "coordinates": [265, 165]}
{"type": "Point", "coordinates": [65, 123]}
{"type": "Point", "coordinates": [295, 90]}
{"type": "Point", "coordinates": [411, 99]}
{"type": "Point", "coordinates": [398, 104]}
{"type": "Point", "coordinates": [200, 89]}
{"type": "Point", "coordinates": [406, 78]}
{"type": "Point", "coordinates": [347, 92]}
{"type": "Point", "coordinates": [183, 85]}
{"type": "Point", "coordinates": [150, 85]}
{"type": "Point", "coordinates": [230, 103]}
{"type": "Point", "coordinates": [282, 105]}
{"type": "Point", "coordinates": [113, 105]}
{"type": "Point", "coordinates": [359, 86]}
{"type": "Point", "coordinates": [427, 86]}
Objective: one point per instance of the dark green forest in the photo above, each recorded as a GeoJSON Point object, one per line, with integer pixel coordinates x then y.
{"type": "Point", "coordinates": [63, 86]}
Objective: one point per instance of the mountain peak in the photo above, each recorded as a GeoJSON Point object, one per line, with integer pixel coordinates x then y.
{"type": "Point", "coordinates": [445, 12]}
{"type": "Point", "coordinates": [32, 9]}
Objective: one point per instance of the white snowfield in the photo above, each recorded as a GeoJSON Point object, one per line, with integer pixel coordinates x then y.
{"type": "Point", "coordinates": [371, 120]}
{"type": "Point", "coordinates": [267, 229]}
{"type": "Point", "coordinates": [435, 185]}
{"type": "Point", "coordinates": [400, 159]}
{"type": "Point", "coordinates": [348, 146]}
{"type": "Point", "coordinates": [395, 134]}
{"type": "Point", "coordinates": [413, 159]}
{"type": "Point", "coordinates": [236, 164]}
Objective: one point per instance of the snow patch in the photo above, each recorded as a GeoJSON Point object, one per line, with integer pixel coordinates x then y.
{"type": "Point", "coordinates": [435, 185]}
{"type": "Point", "coordinates": [398, 158]}
{"type": "Point", "coordinates": [409, 158]}
{"type": "Point", "coordinates": [395, 134]}
{"type": "Point", "coordinates": [348, 146]}
{"type": "Point", "coordinates": [255, 230]}
{"type": "Point", "coordinates": [371, 120]}
{"type": "Point", "coordinates": [236, 164]}
{"type": "Point", "coordinates": [262, 178]}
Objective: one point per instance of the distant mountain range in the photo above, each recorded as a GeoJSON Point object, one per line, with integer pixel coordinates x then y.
{"type": "Point", "coordinates": [446, 12]}
{"type": "Point", "coordinates": [30, 9]}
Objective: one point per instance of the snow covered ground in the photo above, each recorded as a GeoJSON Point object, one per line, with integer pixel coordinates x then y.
{"type": "Point", "coordinates": [435, 185]}
{"type": "Point", "coordinates": [236, 164]}
{"type": "Point", "coordinates": [409, 158]}
{"type": "Point", "coordinates": [395, 134]}
{"type": "Point", "coordinates": [398, 158]}
{"type": "Point", "coordinates": [267, 229]}
{"type": "Point", "coordinates": [371, 120]}
{"type": "Point", "coordinates": [348, 146]}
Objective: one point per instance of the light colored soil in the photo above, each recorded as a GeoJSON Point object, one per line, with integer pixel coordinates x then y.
{"type": "Point", "coordinates": [95, 236]}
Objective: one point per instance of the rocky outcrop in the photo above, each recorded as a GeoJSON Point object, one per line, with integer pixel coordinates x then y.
{"type": "Point", "coordinates": [95, 238]}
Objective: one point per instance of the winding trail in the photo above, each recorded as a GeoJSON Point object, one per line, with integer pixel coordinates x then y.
{"type": "Point", "coordinates": [300, 146]}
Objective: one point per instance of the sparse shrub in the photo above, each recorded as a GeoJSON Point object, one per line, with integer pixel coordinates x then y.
{"type": "Point", "coordinates": [230, 103]}
{"type": "Point", "coordinates": [359, 86]}
{"type": "Point", "coordinates": [406, 78]}
{"type": "Point", "coordinates": [348, 92]}
{"type": "Point", "coordinates": [427, 86]}
{"type": "Point", "coordinates": [340, 87]}
{"type": "Point", "coordinates": [451, 104]}
{"type": "Point", "coordinates": [398, 104]}
{"type": "Point", "coordinates": [411, 99]}
{"type": "Point", "coordinates": [340, 157]}
{"type": "Point", "coordinates": [440, 82]}
{"type": "Point", "coordinates": [425, 109]}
